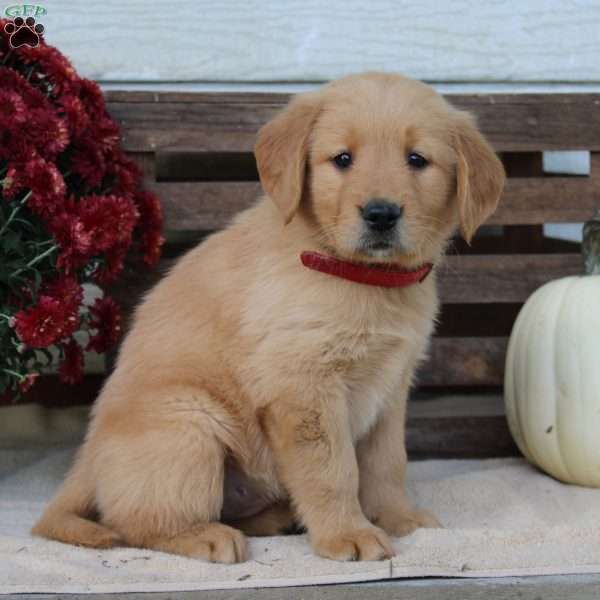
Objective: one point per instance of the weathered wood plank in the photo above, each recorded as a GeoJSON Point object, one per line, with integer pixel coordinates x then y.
{"type": "Point", "coordinates": [501, 277]}
{"type": "Point", "coordinates": [477, 320]}
{"type": "Point", "coordinates": [459, 426]}
{"type": "Point", "coordinates": [205, 205]}
{"type": "Point", "coordinates": [221, 122]}
{"type": "Point", "coordinates": [539, 200]}
{"type": "Point", "coordinates": [209, 205]}
{"type": "Point", "coordinates": [476, 361]}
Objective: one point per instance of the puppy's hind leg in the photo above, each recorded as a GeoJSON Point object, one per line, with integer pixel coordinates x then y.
{"type": "Point", "coordinates": [277, 519]}
{"type": "Point", "coordinates": [162, 488]}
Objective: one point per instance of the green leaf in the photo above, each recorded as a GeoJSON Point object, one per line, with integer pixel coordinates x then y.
{"type": "Point", "coordinates": [11, 240]}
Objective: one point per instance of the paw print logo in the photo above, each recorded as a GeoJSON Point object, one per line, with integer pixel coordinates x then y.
{"type": "Point", "coordinates": [24, 32]}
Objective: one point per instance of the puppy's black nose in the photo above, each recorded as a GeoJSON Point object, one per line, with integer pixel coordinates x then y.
{"type": "Point", "coordinates": [381, 215]}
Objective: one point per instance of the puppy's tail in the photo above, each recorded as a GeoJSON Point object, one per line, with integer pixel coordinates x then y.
{"type": "Point", "coordinates": [68, 518]}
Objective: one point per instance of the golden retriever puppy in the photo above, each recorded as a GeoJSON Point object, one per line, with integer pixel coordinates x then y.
{"type": "Point", "coordinates": [264, 381]}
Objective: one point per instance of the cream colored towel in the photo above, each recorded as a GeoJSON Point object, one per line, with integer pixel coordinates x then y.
{"type": "Point", "coordinates": [502, 518]}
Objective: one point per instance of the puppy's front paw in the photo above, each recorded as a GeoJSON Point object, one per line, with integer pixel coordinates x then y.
{"type": "Point", "coordinates": [369, 543]}
{"type": "Point", "coordinates": [404, 523]}
{"type": "Point", "coordinates": [216, 542]}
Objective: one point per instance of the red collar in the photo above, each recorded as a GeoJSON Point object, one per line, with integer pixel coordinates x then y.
{"type": "Point", "coordinates": [381, 275]}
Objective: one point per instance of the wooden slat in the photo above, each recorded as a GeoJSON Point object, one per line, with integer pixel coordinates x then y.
{"type": "Point", "coordinates": [501, 277]}
{"type": "Point", "coordinates": [458, 425]}
{"type": "Point", "coordinates": [182, 164]}
{"type": "Point", "coordinates": [209, 205]}
{"type": "Point", "coordinates": [203, 206]}
{"type": "Point", "coordinates": [464, 362]}
{"type": "Point", "coordinates": [537, 200]}
{"type": "Point", "coordinates": [146, 163]}
{"type": "Point", "coordinates": [228, 122]}
{"type": "Point", "coordinates": [477, 320]}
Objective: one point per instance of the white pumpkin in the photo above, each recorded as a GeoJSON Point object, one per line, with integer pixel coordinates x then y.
{"type": "Point", "coordinates": [552, 378]}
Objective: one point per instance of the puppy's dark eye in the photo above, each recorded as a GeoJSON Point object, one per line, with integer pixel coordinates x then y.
{"type": "Point", "coordinates": [343, 160]}
{"type": "Point", "coordinates": [416, 161]}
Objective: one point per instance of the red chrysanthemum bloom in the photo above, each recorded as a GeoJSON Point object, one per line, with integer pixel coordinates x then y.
{"type": "Point", "coordinates": [54, 67]}
{"type": "Point", "coordinates": [88, 162]}
{"type": "Point", "coordinates": [75, 114]}
{"type": "Point", "coordinates": [11, 80]}
{"type": "Point", "coordinates": [45, 182]}
{"type": "Point", "coordinates": [114, 262]}
{"type": "Point", "coordinates": [71, 367]}
{"type": "Point", "coordinates": [46, 323]}
{"type": "Point", "coordinates": [125, 172]}
{"type": "Point", "coordinates": [74, 240]}
{"type": "Point", "coordinates": [109, 219]}
{"type": "Point", "coordinates": [151, 226]}
{"type": "Point", "coordinates": [12, 110]}
{"type": "Point", "coordinates": [105, 133]}
{"type": "Point", "coordinates": [105, 318]}
{"type": "Point", "coordinates": [47, 132]}
{"type": "Point", "coordinates": [91, 96]}
{"type": "Point", "coordinates": [68, 290]}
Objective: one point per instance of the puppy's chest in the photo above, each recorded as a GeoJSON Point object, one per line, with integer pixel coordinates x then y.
{"type": "Point", "coordinates": [372, 365]}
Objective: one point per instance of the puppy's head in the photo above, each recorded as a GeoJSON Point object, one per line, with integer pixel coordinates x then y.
{"type": "Point", "coordinates": [382, 166]}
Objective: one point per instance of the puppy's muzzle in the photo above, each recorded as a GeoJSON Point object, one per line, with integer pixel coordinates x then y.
{"type": "Point", "coordinates": [380, 215]}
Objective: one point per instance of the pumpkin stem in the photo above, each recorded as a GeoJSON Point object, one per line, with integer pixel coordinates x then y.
{"type": "Point", "coordinates": [590, 247]}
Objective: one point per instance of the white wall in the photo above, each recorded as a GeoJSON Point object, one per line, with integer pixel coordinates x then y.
{"type": "Point", "coordinates": [529, 41]}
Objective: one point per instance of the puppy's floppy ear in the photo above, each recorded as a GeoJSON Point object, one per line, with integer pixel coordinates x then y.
{"type": "Point", "coordinates": [281, 152]}
{"type": "Point", "coordinates": [479, 175]}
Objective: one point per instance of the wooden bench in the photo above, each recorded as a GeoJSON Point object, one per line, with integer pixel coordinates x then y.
{"type": "Point", "coordinates": [195, 150]}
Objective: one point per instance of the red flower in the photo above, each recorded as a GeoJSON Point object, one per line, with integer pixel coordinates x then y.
{"type": "Point", "coordinates": [45, 323]}
{"type": "Point", "coordinates": [71, 368]}
{"type": "Point", "coordinates": [53, 67]}
{"type": "Point", "coordinates": [92, 98]}
{"type": "Point", "coordinates": [106, 320]}
{"type": "Point", "coordinates": [88, 162]}
{"type": "Point", "coordinates": [114, 263]}
{"type": "Point", "coordinates": [12, 110]}
{"type": "Point", "coordinates": [105, 133]}
{"type": "Point", "coordinates": [45, 182]}
{"type": "Point", "coordinates": [11, 80]}
{"type": "Point", "coordinates": [125, 171]}
{"type": "Point", "coordinates": [109, 219]}
{"type": "Point", "coordinates": [47, 132]}
{"type": "Point", "coordinates": [151, 220]}
{"type": "Point", "coordinates": [151, 244]}
{"type": "Point", "coordinates": [95, 225]}
{"type": "Point", "coordinates": [68, 290]}
{"type": "Point", "coordinates": [74, 240]}
{"type": "Point", "coordinates": [76, 116]}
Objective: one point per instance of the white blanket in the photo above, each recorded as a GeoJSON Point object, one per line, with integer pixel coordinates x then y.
{"type": "Point", "coordinates": [502, 518]}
